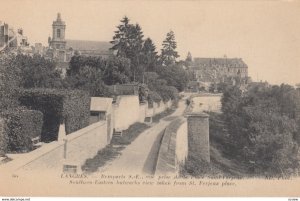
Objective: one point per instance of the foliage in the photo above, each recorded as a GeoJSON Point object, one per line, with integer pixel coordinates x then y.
{"type": "Point", "coordinates": [198, 168]}
{"type": "Point", "coordinates": [153, 96]}
{"type": "Point", "coordinates": [3, 138]}
{"type": "Point", "coordinates": [77, 62]}
{"type": "Point", "coordinates": [9, 82]}
{"type": "Point", "coordinates": [149, 56]}
{"type": "Point", "coordinates": [260, 127]}
{"type": "Point", "coordinates": [174, 75]}
{"type": "Point", "coordinates": [117, 71]}
{"type": "Point", "coordinates": [70, 107]}
{"type": "Point", "coordinates": [168, 53]}
{"type": "Point", "coordinates": [88, 79]}
{"type": "Point", "coordinates": [21, 125]}
{"type": "Point", "coordinates": [159, 90]}
{"type": "Point", "coordinates": [93, 74]}
{"type": "Point", "coordinates": [128, 43]}
{"type": "Point", "coordinates": [37, 72]}
{"type": "Point", "coordinates": [168, 93]}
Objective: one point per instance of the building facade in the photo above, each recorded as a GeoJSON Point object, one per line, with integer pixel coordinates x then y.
{"type": "Point", "coordinates": [211, 71]}
{"type": "Point", "coordinates": [217, 69]}
{"type": "Point", "coordinates": [14, 40]}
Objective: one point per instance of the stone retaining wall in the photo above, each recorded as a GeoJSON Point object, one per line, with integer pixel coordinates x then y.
{"type": "Point", "coordinates": [167, 157]}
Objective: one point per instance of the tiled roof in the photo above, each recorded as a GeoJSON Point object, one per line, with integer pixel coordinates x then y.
{"type": "Point", "coordinates": [227, 62]}
{"type": "Point", "coordinates": [99, 46]}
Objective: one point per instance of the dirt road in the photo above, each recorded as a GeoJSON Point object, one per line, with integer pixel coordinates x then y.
{"type": "Point", "coordinates": [140, 156]}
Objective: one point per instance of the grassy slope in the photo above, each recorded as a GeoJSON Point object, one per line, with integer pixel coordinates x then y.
{"type": "Point", "coordinates": [223, 158]}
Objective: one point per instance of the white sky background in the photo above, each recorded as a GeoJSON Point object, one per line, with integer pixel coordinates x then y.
{"type": "Point", "coordinates": [265, 34]}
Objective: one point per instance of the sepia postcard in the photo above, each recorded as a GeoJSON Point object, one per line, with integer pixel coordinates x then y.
{"type": "Point", "coordinates": [150, 98]}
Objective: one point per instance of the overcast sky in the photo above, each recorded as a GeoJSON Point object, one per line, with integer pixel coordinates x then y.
{"type": "Point", "coordinates": [265, 34]}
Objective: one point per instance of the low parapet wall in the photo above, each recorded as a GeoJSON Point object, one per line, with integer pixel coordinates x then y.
{"type": "Point", "coordinates": [204, 102]}
{"type": "Point", "coordinates": [158, 108]}
{"type": "Point", "coordinates": [167, 161]}
{"type": "Point", "coordinates": [74, 149]}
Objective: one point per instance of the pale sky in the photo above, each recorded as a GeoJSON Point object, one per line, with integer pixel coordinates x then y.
{"type": "Point", "coordinates": [265, 34]}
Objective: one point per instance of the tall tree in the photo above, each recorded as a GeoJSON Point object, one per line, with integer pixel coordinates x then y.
{"type": "Point", "coordinates": [135, 48]}
{"type": "Point", "coordinates": [120, 40]}
{"type": "Point", "coordinates": [128, 43]}
{"type": "Point", "coordinates": [149, 55]}
{"type": "Point", "coordinates": [169, 53]}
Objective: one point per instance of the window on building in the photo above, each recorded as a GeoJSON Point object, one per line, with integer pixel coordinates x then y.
{"type": "Point", "coordinates": [58, 33]}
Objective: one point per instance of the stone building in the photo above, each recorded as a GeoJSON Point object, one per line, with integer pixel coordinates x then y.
{"type": "Point", "coordinates": [90, 48]}
{"type": "Point", "coordinates": [57, 44]}
{"type": "Point", "coordinates": [9, 38]}
{"type": "Point", "coordinates": [217, 69]}
{"type": "Point", "coordinates": [58, 40]}
{"type": "Point", "coordinates": [62, 49]}
{"type": "Point", "coordinates": [208, 71]}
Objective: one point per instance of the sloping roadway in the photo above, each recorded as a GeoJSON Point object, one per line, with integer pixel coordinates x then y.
{"type": "Point", "coordinates": [141, 155]}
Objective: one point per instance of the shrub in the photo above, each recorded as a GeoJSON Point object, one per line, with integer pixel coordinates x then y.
{"type": "Point", "coordinates": [3, 138]}
{"type": "Point", "coordinates": [21, 125]}
{"type": "Point", "coordinates": [71, 107]}
{"type": "Point", "coordinates": [153, 96]}
{"type": "Point", "coordinates": [168, 92]}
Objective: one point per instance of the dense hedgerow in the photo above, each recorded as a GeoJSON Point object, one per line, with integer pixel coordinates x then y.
{"type": "Point", "coordinates": [70, 107]}
{"type": "Point", "coordinates": [20, 126]}
{"type": "Point", "coordinates": [3, 138]}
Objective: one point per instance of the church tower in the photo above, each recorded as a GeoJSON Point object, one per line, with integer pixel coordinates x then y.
{"type": "Point", "coordinates": [58, 36]}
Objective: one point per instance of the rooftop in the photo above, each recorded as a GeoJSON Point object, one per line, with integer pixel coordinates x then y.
{"type": "Point", "coordinates": [81, 45]}
{"type": "Point", "coordinates": [228, 62]}
{"type": "Point", "coordinates": [100, 103]}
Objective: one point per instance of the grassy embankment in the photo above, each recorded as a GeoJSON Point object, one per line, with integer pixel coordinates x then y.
{"type": "Point", "coordinates": [224, 159]}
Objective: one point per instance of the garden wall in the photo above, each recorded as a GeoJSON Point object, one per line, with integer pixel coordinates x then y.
{"type": "Point", "coordinates": [158, 108]}
{"type": "Point", "coordinates": [142, 112]}
{"type": "Point", "coordinates": [126, 111]}
{"type": "Point", "coordinates": [75, 149]}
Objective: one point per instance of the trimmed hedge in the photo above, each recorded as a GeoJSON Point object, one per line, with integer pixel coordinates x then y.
{"type": "Point", "coordinates": [58, 106]}
{"type": "Point", "coordinates": [3, 138]}
{"type": "Point", "coordinates": [20, 126]}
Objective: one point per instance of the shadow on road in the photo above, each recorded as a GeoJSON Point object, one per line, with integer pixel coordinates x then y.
{"type": "Point", "coordinates": [150, 164]}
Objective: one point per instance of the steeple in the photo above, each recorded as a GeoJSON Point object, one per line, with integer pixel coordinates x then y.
{"type": "Point", "coordinates": [58, 17]}
{"type": "Point", "coordinates": [58, 35]}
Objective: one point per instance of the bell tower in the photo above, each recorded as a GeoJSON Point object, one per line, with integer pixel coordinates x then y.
{"type": "Point", "coordinates": [58, 35]}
